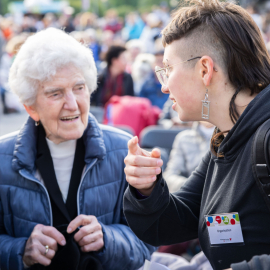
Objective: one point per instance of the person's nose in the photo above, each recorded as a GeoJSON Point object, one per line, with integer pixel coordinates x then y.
{"type": "Point", "coordinates": [165, 89]}
{"type": "Point", "coordinates": [71, 102]}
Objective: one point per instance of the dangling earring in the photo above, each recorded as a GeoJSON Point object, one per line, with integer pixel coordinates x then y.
{"type": "Point", "coordinates": [37, 123]}
{"type": "Point", "coordinates": [205, 106]}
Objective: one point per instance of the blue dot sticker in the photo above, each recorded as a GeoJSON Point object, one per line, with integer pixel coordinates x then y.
{"type": "Point", "coordinates": [210, 219]}
{"type": "Point", "coordinates": [233, 216]}
{"type": "Point", "coordinates": [222, 218]}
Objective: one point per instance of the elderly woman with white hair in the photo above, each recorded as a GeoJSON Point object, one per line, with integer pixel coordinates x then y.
{"type": "Point", "coordinates": [62, 175]}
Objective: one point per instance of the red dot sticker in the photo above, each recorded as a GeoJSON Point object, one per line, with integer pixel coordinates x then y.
{"type": "Point", "coordinates": [232, 221]}
{"type": "Point", "coordinates": [218, 219]}
{"type": "Point", "coordinates": [208, 223]}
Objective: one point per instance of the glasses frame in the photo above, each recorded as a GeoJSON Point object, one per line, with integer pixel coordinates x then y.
{"type": "Point", "coordinates": [166, 68]}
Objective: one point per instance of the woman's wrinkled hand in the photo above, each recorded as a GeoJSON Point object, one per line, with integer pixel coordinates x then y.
{"type": "Point", "coordinates": [35, 248]}
{"type": "Point", "coordinates": [90, 236]}
{"type": "Point", "coordinates": [142, 167]}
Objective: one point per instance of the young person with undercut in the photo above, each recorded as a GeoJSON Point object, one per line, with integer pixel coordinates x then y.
{"type": "Point", "coordinates": [217, 69]}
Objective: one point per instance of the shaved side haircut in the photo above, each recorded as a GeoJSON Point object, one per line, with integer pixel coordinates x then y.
{"type": "Point", "coordinates": [203, 41]}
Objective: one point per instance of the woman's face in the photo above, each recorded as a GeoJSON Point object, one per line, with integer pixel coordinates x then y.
{"type": "Point", "coordinates": [121, 61]}
{"type": "Point", "coordinates": [62, 105]}
{"type": "Point", "coordinates": [184, 85]}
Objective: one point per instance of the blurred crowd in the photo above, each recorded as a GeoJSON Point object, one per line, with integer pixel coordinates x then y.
{"type": "Point", "coordinates": [126, 52]}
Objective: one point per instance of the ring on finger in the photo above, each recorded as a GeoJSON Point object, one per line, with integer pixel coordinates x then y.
{"type": "Point", "coordinates": [46, 249]}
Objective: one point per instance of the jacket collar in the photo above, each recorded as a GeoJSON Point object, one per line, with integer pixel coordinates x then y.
{"type": "Point", "coordinates": [256, 113]}
{"type": "Point", "coordinates": [25, 150]}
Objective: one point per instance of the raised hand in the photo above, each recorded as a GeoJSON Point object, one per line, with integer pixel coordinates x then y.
{"type": "Point", "coordinates": [142, 167]}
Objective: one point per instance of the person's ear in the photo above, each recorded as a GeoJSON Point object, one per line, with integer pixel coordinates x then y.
{"type": "Point", "coordinates": [32, 112]}
{"type": "Point", "coordinates": [206, 69]}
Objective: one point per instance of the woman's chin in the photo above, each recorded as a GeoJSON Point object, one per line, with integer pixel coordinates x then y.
{"type": "Point", "coordinates": [66, 137]}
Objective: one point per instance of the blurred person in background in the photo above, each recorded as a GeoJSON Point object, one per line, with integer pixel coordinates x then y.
{"type": "Point", "coordinates": [268, 47]}
{"type": "Point", "coordinates": [91, 41]}
{"type": "Point", "coordinates": [6, 26]}
{"type": "Point", "coordinates": [134, 48]}
{"type": "Point", "coordinates": [112, 21]}
{"type": "Point", "coordinates": [189, 147]}
{"type": "Point", "coordinates": [49, 20]}
{"type": "Point", "coordinates": [151, 32]}
{"type": "Point", "coordinates": [133, 27]}
{"type": "Point", "coordinates": [113, 80]}
{"type": "Point", "coordinates": [28, 24]}
{"type": "Point", "coordinates": [2, 42]}
{"type": "Point", "coordinates": [141, 70]}
{"type": "Point", "coordinates": [151, 89]}
{"type": "Point", "coordinates": [65, 23]}
{"type": "Point", "coordinates": [107, 41]}
{"type": "Point", "coordinates": [88, 20]}
{"type": "Point", "coordinates": [254, 13]}
{"type": "Point", "coordinates": [65, 179]}
{"type": "Point", "coordinates": [9, 100]}
{"type": "Point", "coordinates": [266, 24]}
{"type": "Point", "coordinates": [79, 36]}
{"type": "Point", "coordinates": [163, 13]}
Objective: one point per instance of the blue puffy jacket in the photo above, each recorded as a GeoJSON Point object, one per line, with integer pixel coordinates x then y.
{"type": "Point", "coordinates": [24, 200]}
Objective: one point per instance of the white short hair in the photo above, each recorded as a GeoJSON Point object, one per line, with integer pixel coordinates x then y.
{"type": "Point", "coordinates": [42, 55]}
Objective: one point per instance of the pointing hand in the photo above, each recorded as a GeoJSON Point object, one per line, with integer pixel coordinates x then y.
{"type": "Point", "coordinates": [142, 167]}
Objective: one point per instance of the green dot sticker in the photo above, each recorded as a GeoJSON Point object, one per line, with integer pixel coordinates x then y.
{"type": "Point", "coordinates": [237, 217]}
{"type": "Point", "coordinates": [226, 220]}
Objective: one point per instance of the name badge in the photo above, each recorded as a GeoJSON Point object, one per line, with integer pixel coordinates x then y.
{"type": "Point", "coordinates": [224, 229]}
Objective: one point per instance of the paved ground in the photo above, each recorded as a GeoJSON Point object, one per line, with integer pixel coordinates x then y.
{"type": "Point", "coordinates": [11, 122]}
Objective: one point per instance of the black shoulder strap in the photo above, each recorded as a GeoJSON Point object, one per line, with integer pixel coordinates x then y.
{"type": "Point", "coordinates": [260, 160]}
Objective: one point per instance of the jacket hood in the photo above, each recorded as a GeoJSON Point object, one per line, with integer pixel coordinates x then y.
{"type": "Point", "coordinates": [256, 113]}
{"type": "Point", "coordinates": [25, 150]}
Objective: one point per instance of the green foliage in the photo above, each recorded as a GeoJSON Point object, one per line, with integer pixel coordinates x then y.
{"type": "Point", "coordinates": [124, 10]}
{"type": "Point", "coordinates": [149, 3]}
{"type": "Point", "coordinates": [4, 6]}
{"type": "Point", "coordinates": [76, 4]}
{"type": "Point", "coordinates": [117, 3]}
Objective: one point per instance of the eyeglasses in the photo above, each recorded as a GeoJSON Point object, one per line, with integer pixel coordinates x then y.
{"type": "Point", "coordinates": [164, 73]}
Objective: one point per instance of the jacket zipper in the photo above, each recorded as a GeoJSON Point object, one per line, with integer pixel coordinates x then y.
{"type": "Point", "coordinates": [38, 182]}
{"type": "Point", "coordinates": [84, 174]}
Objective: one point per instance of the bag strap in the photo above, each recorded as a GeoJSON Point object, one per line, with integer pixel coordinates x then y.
{"type": "Point", "coordinates": [260, 168]}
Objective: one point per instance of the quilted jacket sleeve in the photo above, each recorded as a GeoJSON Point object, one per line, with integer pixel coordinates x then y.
{"type": "Point", "coordinates": [122, 248]}
{"type": "Point", "coordinates": [11, 249]}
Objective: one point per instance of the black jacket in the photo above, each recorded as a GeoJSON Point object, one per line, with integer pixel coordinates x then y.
{"type": "Point", "coordinates": [97, 96]}
{"type": "Point", "coordinates": [219, 185]}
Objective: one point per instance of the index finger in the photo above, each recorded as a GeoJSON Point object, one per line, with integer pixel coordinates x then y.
{"type": "Point", "coordinates": [133, 146]}
{"type": "Point", "coordinates": [80, 220]}
{"type": "Point", "coordinates": [55, 234]}
{"type": "Point", "coordinates": [142, 161]}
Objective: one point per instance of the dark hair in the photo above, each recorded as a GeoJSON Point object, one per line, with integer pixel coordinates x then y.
{"type": "Point", "coordinates": [247, 62]}
{"type": "Point", "coordinates": [113, 52]}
